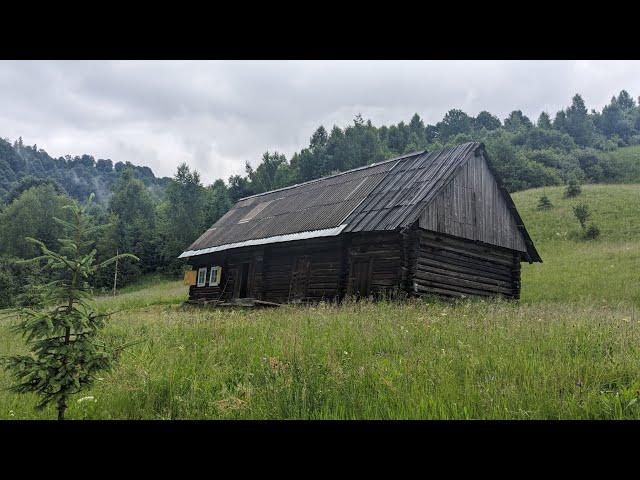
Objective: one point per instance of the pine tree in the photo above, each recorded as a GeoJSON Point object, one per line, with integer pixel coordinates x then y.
{"type": "Point", "coordinates": [544, 121]}
{"type": "Point", "coordinates": [544, 203]}
{"type": "Point", "coordinates": [66, 352]}
{"type": "Point", "coordinates": [573, 189]}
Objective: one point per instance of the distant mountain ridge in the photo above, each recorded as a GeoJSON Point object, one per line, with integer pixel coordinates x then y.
{"type": "Point", "coordinates": [78, 176]}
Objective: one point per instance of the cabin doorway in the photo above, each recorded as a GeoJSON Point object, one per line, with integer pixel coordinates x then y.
{"type": "Point", "coordinates": [244, 280]}
{"type": "Point", "coordinates": [300, 278]}
{"type": "Point", "coordinates": [361, 277]}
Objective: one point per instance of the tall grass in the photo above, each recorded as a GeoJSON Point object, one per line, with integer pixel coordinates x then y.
{"type": "Point", "coordinates": [569, 349]}
{"type": "Point", "coordinates": [417, 360]}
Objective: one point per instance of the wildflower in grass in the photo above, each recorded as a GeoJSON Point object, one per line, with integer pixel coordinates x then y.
{"type": "Point", "coordinates": [12, 413]}
{"type": "Point", "coordinates": [90, 398]}
{"type": "Point", "coordinates": [277, 365]}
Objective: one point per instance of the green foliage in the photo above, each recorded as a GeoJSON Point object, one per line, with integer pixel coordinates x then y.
{"type": "Point", "coordinates": [454, 122]}
{"type": "Point", "coordinates": [592, 232]}
{"type": "Point", "coordinates": [217, 202]}
{"type": "Point", "coordinates": [180, 217]}
{"type": "Point", "coordinates": [577, 123]}
{"type": "Point", "coordinates": [8, 285]}
{"type": "Point", "coordinates": [66, 352]}
{"type": "Point", "coordinates": [487, 121]}
{"type": "Point", "coordinates": [573, 189]}
{"type": "Point", "coordinates": [22, 167]}
{"type": "Point", "coordinates": [134, 228]}
{"type": "Point", "coordinates": [517, 121]}
{"type": "Point", "coordinates": [273, 172]}
{"type": "Point", "coordinates": [544, 203]}
{"type": "Point", "coordinates": [544, 121]}
{"type": "Point", "coordinates": [30, 215]}
{"type": "Point", "coordinates": [29, 182]}
{"type": "Point", "coordinates": [582, 214]}
{"type": "Point", "coordinates": [20, 283]}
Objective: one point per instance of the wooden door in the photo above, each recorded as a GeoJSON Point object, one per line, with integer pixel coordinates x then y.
{"type": "Point", "coordinates": [244, 281]}
{"type": "Point", "coordinates": [361, 277]}
{"type": "Point", "coordinates": [300, 278]}
{"type": "Point", "coordinates": [233, 276]}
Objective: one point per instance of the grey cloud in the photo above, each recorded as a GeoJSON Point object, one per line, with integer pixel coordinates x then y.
{"type": "Point", "coordinates": [217, 115]}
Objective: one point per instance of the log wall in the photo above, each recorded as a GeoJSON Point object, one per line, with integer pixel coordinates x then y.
{"type": "Point", "coordinates": [414, 261]}
{"type": "Point", "coordinates": [385, 254]}
{"type": "Point", "coordinates": [457, 267]}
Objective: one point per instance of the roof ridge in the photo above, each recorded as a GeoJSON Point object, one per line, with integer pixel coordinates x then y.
{"type": "Point", "coordinates": [315, 180]}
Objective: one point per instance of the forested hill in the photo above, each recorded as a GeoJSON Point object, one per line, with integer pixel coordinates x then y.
{"type": "Point", "coordinates": [22, 166]}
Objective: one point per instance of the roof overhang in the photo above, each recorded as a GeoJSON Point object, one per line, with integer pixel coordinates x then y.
{"type": "Point", "coordinates": [326, 232]}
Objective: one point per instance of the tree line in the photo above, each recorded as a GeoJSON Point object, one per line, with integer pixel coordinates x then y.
{"type": "Point", "coordinates": [156, 219]}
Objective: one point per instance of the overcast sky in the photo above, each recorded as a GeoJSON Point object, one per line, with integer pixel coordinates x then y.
{"type": "Point", "coordinates": [216, 115]}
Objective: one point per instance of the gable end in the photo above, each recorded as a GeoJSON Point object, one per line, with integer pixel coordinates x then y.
{"type": "Point", "coordinates": [473, 205]}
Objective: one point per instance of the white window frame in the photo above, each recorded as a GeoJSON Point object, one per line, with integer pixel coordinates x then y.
{"type": "Point", "coordinates": [213, 274]}
{"type": "Point", "coordinates": [204, 277]}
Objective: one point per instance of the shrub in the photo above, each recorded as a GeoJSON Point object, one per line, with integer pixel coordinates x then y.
{"type": "Point", "coordinates": [544, 203]}
{"type": "Point", "coordinates": [592, 232]}
{"type": "Point", "coordinates": [581, 212]}
{"type": "Point", "coordinates": [573, 189]}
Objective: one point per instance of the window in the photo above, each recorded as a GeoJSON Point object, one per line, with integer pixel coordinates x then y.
{"type": "Point", "coordinates": [202, 276]}
{"type": "Point", "coordinates": [214, 276]}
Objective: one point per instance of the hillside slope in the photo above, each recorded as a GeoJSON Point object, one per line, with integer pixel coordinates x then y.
{"type": "Point", "coordinates": [604, 270]}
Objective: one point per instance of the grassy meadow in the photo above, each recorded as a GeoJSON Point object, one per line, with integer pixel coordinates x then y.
{"type": "Point", "coordinates": [568, 350]}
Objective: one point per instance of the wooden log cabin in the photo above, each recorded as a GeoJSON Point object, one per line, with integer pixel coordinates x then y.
{"type": "Point", "coordinates": [421, 224]}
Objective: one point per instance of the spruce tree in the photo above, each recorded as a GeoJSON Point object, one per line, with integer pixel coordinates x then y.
{"type": "Point", "coordinates": [66, 352]}
{"type": "Point", "coordinates": [544, 203]}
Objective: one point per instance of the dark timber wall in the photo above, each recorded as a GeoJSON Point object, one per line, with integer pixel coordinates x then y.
{"type": "Point", "coordinates": [307, 270]}
{"type": "Point", "coordinates": [415, 262]}
{"type": "Point", "coordinates": [456, 267]}
{"type": "Point", "coordinates": [311, 270]}
{"type": "Point", "coordinates": [375, 264]}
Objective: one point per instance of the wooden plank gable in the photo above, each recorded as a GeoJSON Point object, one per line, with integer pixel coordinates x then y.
{"type": "Point", "coordinates": [472, 206]}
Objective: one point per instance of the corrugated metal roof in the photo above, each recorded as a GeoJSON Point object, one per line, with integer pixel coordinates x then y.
{"type": "Point", "coordinates": [385, 196]}
{"type": "Point", "coordinates": [317, 205]}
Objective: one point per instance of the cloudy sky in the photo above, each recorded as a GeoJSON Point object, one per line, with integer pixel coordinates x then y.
{"type": "Point", "coordinates": [216, 115]}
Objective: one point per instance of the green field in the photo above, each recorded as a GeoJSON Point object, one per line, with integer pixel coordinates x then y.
{"type": "Point", "coordinates": [569, 349]}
